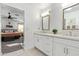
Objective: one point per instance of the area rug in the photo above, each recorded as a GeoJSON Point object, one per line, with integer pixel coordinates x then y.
{"type": "Point", "coordinates": [10, 48]}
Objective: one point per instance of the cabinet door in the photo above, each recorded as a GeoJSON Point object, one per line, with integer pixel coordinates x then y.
{"type": "Point", "coordinates": [37, 41]}
{"type": "Point", "coordinates": [59, 49]}
{"type": "Point", "coordinates": [47, 45]}
{"type": "Point", "coordinates": [72, 51]}
{"type": "Point", "coordinates": [44, 43]}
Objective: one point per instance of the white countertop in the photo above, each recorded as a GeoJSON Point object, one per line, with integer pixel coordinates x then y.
{"type": "Point", "coordinates": [58, 36]}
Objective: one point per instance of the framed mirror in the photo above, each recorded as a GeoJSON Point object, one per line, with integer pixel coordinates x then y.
{"type": "Point", "coordinates": [71, 17]}
{"type": "Point", "coordinates": [46, 22]}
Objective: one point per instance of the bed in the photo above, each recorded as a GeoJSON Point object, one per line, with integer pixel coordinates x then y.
{"type": "Point", "coordinates": [9, 36]}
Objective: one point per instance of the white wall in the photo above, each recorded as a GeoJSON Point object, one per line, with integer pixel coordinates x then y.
{"type": "Point", "coordinates": [4, 22]}
{"type": "Point", "coordinates": [32, 23]}
{"type": "Point", "coordinates": [56, 17]}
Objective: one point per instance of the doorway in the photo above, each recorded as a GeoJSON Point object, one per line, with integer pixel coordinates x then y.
{"type": "Point", "coordinates": [12, 29]}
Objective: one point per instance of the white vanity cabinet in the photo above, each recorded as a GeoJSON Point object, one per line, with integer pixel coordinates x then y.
{"type": "Point", "coordinates": [59, 49]}
{"type": "Point", "coordinates": [55, 45]}
{"type": "Point", "coordinates": [72, 51]}
{"type": "Point", "coordinates": [63, 47]}
{"type": "Point", "coordinates": [44, 43]}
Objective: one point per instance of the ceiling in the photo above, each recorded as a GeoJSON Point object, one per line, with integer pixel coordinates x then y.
{"type": "Point", "coordinates": [11, 9]}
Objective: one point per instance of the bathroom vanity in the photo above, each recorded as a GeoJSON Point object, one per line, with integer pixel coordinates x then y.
{"type": "Point", "coordinates": [57, 45]}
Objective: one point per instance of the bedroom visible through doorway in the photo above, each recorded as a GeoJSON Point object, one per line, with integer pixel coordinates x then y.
{"type": "Point", "coordinates": [12, 29]}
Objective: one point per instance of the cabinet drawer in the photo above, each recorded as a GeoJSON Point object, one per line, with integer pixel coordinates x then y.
{"type": "Point", "coordinates": [47, 47]}
{"type": "Point", "coordinates": [44, 43]}
{"type": "Point", "coordinates": [67, 42]}
{"type": "Point", "coordinates": [47, 40]}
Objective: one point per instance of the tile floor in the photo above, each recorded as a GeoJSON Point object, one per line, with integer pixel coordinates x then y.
{"type": "Point", "coordinates": [29, 52]}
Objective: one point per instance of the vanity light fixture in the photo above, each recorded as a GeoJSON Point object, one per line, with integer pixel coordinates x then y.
{"type": "Point", "coordinates": [45, 13]}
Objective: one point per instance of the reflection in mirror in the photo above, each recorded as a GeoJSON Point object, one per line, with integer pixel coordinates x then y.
{"type": "Point", "coordinates": [45, 23]}
{"type": "Point", "coordinates": [71, 17]}
{"type": "Point", "coordinates": [46, 20]}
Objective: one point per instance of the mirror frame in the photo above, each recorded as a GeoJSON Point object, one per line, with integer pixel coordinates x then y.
{"type": "Point", "coordinates": [48, 22]}
{"type": "Point", "coordinates": [63, 17]}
